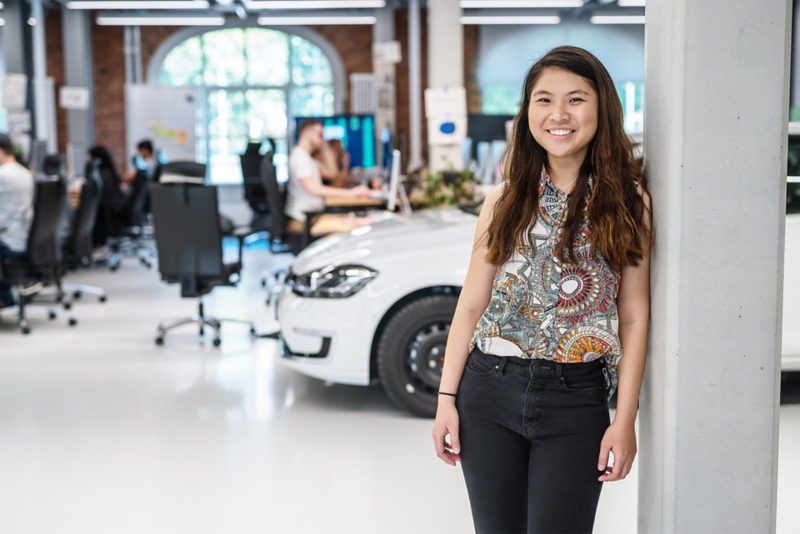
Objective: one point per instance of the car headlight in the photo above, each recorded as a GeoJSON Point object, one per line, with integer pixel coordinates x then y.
{"type": "Point", "coordinates": [340, 281]}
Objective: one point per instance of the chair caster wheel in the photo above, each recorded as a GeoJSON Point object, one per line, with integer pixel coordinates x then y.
{"type": "Point", "coordinates": [253, 332]}
{"type": "Point", "coordinates": [217, 342]}
{"type": "Point", "coordinates": [76, 295]}
{"type": "Point", "coordinates": [263, 283]}
{"type": "Point", "coordinates": [67, 305]}
{"type": "Point", "coordinates": [159, 341]}
{"type": "Point", "coordinates": [102, 299]}
{"type": "Point", "coordinates": [73, 321]}
{"type": "Point", "coordinates": [51, 315]}
{"type": "Point", "coordinates": [26, 330]}
{"type": "Point", "coordinates": [59, 298]}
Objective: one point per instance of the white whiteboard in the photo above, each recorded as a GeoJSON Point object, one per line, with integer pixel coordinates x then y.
{"type": "Point", "coordinates": [165, 115]}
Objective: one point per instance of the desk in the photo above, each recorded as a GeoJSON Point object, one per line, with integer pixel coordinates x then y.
{"type": "Point", "coordinates": [353, 202]}
{"type": "Point", "coordinates": [331, 223]}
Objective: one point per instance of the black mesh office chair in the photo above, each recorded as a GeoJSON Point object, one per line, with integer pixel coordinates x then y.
{"type": "Point", "coordinates": [279, 239]}
{"type": "Point", "coordinates": [78, 248]}
{"type": "Point", "coordinates": [183, 171]}
{"type": "Point", "coordinates": [189, 240]}
{"type": "Point", "coordinates": [254, 191]}
{"type": "Point", "coordinates": [39, 267]}
{"type": "Point", "coordinates": [128, 231]}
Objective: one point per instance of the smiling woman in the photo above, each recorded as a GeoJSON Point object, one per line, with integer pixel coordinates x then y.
{"type": "Point", "coordinates": [557, 283]}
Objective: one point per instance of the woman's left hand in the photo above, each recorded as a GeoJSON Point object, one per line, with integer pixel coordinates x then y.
{"type": "Point", "coordinates": [620, 439]}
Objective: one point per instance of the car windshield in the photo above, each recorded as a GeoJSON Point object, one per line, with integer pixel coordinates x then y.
{"type": "Point", "coordinates": [473, 208]}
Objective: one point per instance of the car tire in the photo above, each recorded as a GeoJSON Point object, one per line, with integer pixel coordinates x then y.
{"type": "Point", "coordinates": [411, 351]}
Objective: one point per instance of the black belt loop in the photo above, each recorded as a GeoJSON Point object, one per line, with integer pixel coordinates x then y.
{"type": "Point", "coordinates": [559, 367]}
{"type": "Point", "coordinates": [499, 367]}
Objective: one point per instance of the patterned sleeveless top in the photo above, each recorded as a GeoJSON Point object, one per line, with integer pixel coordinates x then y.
{"type": "Point", "coordinates": [541, 309]}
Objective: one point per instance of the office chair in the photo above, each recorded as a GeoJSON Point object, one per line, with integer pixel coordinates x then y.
{"type": "Point", "coordinates": [78, 249]}
{"type": "Point", "coordinates": [254, 191]}
{"type": "Point", "coordinates": [189, 243]}
{"type": "Point", "coordinates": [38, 268]}
{"type": "Point", "coordinates": [279, 239]}
{"type": "Point", "coordinates": [183, 171]}
{"type": "Point", "coordinates": [129, 233]}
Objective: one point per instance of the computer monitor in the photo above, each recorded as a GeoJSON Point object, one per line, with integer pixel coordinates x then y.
{"type": "Point", "coordinates": [356, 132]}
{"type": "Point", "coordinates": [486, 128]}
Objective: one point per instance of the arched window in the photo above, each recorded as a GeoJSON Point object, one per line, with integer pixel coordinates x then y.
{"type": "Point", "coordinates": [253, 82]}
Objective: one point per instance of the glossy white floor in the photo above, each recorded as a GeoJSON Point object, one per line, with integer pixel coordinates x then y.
{"type": "Point", "coordinates": [103, 432]}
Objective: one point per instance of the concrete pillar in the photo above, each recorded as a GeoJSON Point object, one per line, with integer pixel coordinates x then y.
{"type": "Point", "coordinates": [717, 81]}
{"type": "Point", "coordinates": [385, 80]}
{"type": "Point", "coordinates": [414, 84]}
{"type": "Point", "coordinates": [78, 72]}
{"type": "Point", "coordinates": [40, 92]}
{"type": "Point", "coordinates": [15, 47]}
{"type": "Point", "coordinates": [445, 69]}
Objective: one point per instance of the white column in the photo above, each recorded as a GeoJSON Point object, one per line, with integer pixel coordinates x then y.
{"type": "Point", "coordinates": [445, 69]}
{"type": "Point", "coordinates": [40, 102]}
{"type": "Point", "coordinates": [717, 82]}
{"type": "Point", "coordinates": [76, 27]}
{"type": "Point", "coordinates": [414, 85]}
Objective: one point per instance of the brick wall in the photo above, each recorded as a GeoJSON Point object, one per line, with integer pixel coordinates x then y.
{"type": "Point", "coordinates": [108, 70]}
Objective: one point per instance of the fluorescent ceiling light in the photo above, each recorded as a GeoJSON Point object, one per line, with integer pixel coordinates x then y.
{"type": "Point", "coordinates": [630, 3]}
{"type": "Point", "coordinates": [313, 4]}
{"type": "Point", "coordinates": [141, 4]}
{"type": "Point", "coordinates": [481, 4]}
{"type": "Point", "coordinates": [2, 22]}
{"type": "Point", "coordinates": [509, 20]}
{"type": "Point", "coordinates": [617, 19]}
{"type": "Point", "coordinates": [160, 21]}
{"type": "Point", "coordinates": [299, 21]}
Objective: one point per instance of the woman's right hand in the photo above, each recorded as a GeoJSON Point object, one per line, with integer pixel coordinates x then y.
{"type": "Point", "coordinates": [447, 423]}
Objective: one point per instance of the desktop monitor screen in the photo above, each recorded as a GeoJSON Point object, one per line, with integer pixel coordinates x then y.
{"type": "Point", "coordinates": [486, 128]}
{"type": "Point", "coordinates": [356, 132]}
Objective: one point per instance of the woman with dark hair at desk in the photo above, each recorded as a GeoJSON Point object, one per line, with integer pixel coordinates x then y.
{"type": "Point", "coordinates": [113, 202]}
{"type": "Point", "coordinates": [334, 164]}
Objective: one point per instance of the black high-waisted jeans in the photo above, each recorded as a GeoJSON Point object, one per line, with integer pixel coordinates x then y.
{"type": "Point", "coordinates": [530, 433]}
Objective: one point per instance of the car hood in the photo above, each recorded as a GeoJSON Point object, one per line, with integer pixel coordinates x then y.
{"type": "Point", "coordinates": [397, 235]}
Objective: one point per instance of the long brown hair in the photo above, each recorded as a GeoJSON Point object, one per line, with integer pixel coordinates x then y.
{"type": "Point", "coordinates": [617, 214]}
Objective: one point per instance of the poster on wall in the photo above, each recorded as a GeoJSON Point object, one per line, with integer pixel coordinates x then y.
{"type": "Point", "coordinates": [164, 115]}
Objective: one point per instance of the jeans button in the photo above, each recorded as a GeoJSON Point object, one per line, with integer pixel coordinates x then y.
{"type": "Point", "coordinates": [537, 366]}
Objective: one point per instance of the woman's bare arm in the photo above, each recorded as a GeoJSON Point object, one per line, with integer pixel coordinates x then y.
{"type": "Point", "coordinates": [633, 308]}
{"type": "Point", "coordinates": [472, 302]}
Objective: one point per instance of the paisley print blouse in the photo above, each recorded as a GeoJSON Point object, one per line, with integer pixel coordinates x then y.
{"type": "Point", "coordinates": [542, 309]}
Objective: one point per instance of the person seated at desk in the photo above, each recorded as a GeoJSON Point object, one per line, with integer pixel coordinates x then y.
{"type": "Point", "coordinates": [145, 151]}
{"type": "Point", "coordinates": [305, 191]}
{"type": "Point", "coordinates": [16, 209]}
{"type": "Point", "coordinates": [334, 164]}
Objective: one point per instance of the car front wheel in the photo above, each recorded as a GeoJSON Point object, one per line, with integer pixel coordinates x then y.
{"type": "Point", "coordinates": [411, 352]}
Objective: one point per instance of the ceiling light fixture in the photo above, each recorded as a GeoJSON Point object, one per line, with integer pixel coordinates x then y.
{"type": "Point", "coordinates": [314, 21]}
{"type": "Point", "coordinates": [630, 3]}
{"type": "Point", "coordinates": [490, 4]}
{"type": "Point", "coordinates": [471, 20]}
{"type": "Point", "coordinates": [139, 4]}
{"type": "Point", "coordinates": [2, 22]}
{"type": "Point", "coordinates": [313, 4]}
{"type": "Point", "coordinates": [617, 19]}
{"type": "Point", "coordinates": [159, 21]}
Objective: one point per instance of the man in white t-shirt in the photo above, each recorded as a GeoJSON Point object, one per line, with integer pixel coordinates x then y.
{"type": "Point", "coordinates": [16, 208]}
{"type": "Point", "coordinates": [305, 190]}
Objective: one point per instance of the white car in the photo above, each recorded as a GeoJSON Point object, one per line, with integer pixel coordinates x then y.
{"type": "Point", "coordinates": [377, 302]}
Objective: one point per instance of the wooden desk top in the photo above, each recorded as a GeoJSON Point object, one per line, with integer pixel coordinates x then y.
{"type": "Point", "coordinates": [343, 201]}
{"type": "Point", "coordinates": [331, 223]}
